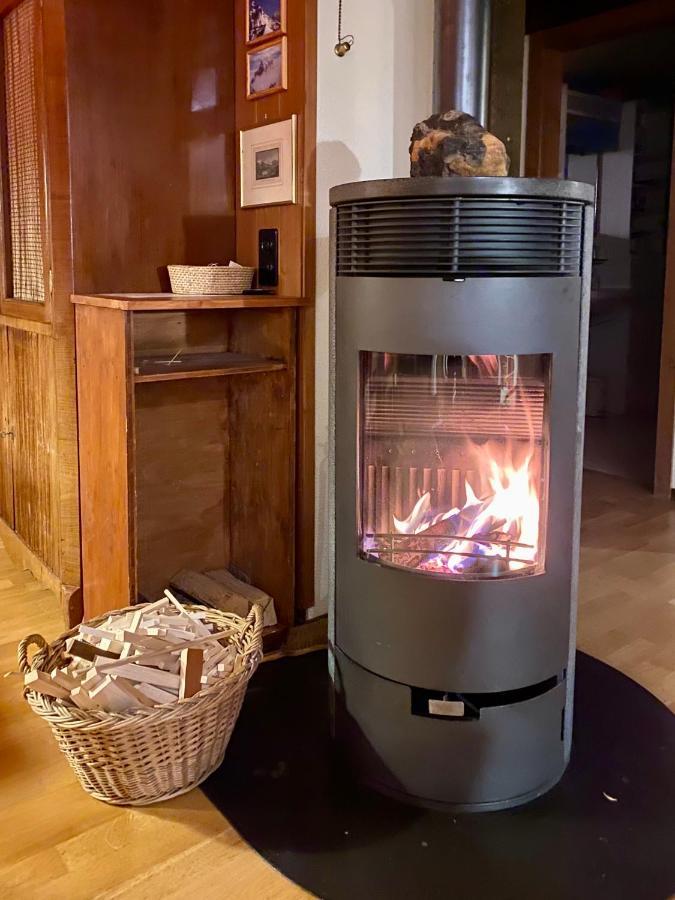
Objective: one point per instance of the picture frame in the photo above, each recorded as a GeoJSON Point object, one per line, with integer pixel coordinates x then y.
{"type": "Point", "coordinates": [265, 19]}
{"type": "Point", "coordinates": [266, 69]}
{"type": "Point", "coordinates": [267, 164]}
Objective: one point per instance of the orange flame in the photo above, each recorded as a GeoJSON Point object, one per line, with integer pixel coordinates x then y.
{"type": "Point", "coordinates": [504, 526]}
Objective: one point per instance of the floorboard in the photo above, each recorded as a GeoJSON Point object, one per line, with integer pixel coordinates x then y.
{"type": "Point", "coordinates": [57, 843]}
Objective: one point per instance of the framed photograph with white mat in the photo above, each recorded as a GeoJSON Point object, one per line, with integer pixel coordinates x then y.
{"type": "Point", "coordinates": [267, 164]}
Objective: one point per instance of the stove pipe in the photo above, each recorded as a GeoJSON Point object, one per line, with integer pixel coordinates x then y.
{"type": "Point", "coordinates": [461, 57]}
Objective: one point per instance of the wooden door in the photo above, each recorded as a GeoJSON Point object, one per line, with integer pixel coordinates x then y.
{"type": "Point", "coordinates": [665, 423]}
{"type": "Point", "coordinates": [26, 282]}
{"type": "Point", "coordinates": [32, 397]}
{"type": "Point", "coordinates": [6, 436]}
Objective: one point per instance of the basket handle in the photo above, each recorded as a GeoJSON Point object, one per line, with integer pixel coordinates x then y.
{"type": "Point", "coordinates": [254, 620]}
{"type": "Point", "coordinates": [38, 659]}
{"type": "Point", "coordinates": [254, 624]}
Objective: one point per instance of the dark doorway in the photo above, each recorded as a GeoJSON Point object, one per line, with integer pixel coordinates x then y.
{"type": "Point", "coordinates": [610, 55]}
{"type": "Point", "coordinates": [618, 136]}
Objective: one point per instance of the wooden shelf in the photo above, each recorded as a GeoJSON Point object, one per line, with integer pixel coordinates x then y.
{"type": "Point", "coordinates": [155, 302]}
{"type": "Point", "coordinates": [201, 365]}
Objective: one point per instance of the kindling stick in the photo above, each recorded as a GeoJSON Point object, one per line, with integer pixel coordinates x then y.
{"type": "Point", "coordinates": [156, 654]}
{"type": "Point", "coordinates": [181, 609]}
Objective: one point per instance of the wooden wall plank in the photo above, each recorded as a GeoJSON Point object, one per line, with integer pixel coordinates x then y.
{"type": "Point", "coordinates": [296, 225]}
{"type": "Point", "coordinates": [263, 459]}
{"type": "Point", "coordinates": [506, 76]}
{"type": "Point", "coordinates": [306, 337]}
{"type": "Point", "coordinates": [665, 426]}
{"type": "Point", "coordinates": [105, 403]}
{"type": "Point", "coordinates": [151, 131]}
{"type": "Point", "coordinates": [183, 479]}
{"type": "Point", "coordinates": [544, 109]}
{"type": "Point", "coordinates": [57, 162]}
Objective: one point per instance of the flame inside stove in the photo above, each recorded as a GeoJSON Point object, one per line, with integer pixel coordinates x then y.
{"type": "Point", "coordinates": [456, 464]}
{"type": "Point", "coordinates": [498, 532]}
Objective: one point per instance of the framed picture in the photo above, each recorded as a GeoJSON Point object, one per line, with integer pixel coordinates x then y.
{"type": "Point", "coordinates": [264, 19]}
{"type": "Point", "coordinates": [267, 164]}
{"type": "Point", "coordinates": [266, 69]}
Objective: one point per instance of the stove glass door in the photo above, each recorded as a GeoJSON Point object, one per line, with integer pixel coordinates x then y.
{"type": "Point", "coordinates": [453, 468]}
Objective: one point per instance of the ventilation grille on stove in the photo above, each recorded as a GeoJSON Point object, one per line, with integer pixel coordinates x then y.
{"type": "Point", "coordinates": [459, 237]}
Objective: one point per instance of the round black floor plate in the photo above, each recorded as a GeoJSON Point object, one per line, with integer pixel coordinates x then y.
{"type": "Point", "coordinates": [607, 830]}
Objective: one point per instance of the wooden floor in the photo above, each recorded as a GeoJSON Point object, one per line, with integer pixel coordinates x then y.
{"type": "Point", "coordinates": [55, 842]}
{"type": "Point", "coordinates": [627, 582]}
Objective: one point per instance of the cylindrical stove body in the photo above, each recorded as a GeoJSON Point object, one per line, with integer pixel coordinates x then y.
{"type": "Point", "coordinates": [460, 313]}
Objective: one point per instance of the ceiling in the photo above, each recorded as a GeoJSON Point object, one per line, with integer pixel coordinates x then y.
{"type": "Point", "coordinates": [551, 13]}
{"type": "Point", "coordinates": [636, 66]}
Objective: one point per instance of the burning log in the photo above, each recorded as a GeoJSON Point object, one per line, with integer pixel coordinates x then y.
{"type": "Point", "coordinates": [417, 549]}
{"type": "Point", "coordinates": [481, 538]}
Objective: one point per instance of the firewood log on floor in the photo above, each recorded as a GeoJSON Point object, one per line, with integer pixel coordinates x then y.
{"type": "Point", "coordinates": [220, 589]}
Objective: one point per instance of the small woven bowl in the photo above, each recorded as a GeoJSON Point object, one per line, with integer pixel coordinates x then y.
{"type": "Point", "coordinates": [211, 279]}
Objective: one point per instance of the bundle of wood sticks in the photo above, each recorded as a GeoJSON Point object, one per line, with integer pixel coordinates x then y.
{"type": "Point", "coordinates": [157, 654]}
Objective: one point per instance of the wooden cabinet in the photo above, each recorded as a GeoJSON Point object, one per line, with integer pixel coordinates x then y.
{"type": "Point", "coordinates": [187, 443]}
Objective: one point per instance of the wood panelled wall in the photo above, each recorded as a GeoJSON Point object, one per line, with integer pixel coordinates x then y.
{"type": "Point", "coordinates": [141, 107]}
{"type": "Point", "coordinates": [296, 225]}
{"type": "Point", "coordinates": [135, 117]}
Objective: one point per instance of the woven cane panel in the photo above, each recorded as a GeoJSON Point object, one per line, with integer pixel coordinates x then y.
{"type": "Point", "coordinates": [23, 156]}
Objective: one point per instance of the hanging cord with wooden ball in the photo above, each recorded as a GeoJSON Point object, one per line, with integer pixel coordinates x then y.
{"type": "Point", "coordinates": [344, 44]}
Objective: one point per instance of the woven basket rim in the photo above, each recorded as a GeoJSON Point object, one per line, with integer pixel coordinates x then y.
{"type": "Point", "coordinates": [235, 270]}
{"type": "Point", "coordinates": [65, 715]}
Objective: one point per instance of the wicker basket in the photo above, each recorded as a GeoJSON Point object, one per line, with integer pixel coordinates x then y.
{"type": "Point", "coordinates": [147, 755]}
{"type": "Point", "coordinates": [210, 279]}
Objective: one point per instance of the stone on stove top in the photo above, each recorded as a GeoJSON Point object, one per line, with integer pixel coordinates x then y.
{"type": "Point", "coordinates": [454, 143]}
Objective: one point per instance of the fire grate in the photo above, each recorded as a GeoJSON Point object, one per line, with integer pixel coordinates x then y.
{"type": "Point", "coordinates": [500, 551]}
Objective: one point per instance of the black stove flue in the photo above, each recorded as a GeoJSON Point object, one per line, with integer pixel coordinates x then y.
{"type": "Point", "coordinates": [460, 312]}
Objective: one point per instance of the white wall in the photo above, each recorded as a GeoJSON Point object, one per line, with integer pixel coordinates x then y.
{"type": "Point", "coordinates": [367, 105]}
{"type": "Point", "coordinates": [617, 179]}
{"type": "Point", "coordinates": [610, 333]}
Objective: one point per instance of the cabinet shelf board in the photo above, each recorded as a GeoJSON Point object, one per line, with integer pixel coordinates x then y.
{"type": "Point", "coordinates": [157, 302]}
{"type": "Point", "coordinates": [201, 365]}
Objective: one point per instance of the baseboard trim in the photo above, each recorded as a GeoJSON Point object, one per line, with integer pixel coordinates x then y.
{"type": "Point", "coordinates": [24, 557]}
{"type": "Point", "coordinates": [69, 596]}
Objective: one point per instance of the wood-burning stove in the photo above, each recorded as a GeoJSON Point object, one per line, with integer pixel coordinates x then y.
{"type": "Point", "coordinates": [460, 311]}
